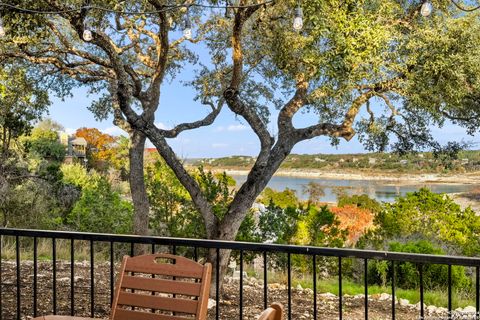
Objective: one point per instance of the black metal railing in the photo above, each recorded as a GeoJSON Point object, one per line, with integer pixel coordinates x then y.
{"type": "Point", "coordinates": [29, 307]}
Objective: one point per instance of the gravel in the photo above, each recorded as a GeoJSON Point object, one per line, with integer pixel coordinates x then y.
{"type": "Point", "coordinates": [379, 305]}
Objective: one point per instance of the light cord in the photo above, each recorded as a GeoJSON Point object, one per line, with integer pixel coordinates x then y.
{"type": "Point", "coordinates": [456, 4]}
{"type": "Point", "coordinates": [167, 8]}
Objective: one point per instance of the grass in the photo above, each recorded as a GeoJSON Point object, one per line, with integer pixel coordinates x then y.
{"type": "Point", "coordinates": [45, 251]}
{"type": "Point", "coordinates": [436, 297]}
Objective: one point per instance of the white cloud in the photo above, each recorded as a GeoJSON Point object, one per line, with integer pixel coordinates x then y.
{"type": "Point", "coordinates": [236, 127]}
{"type": "Point", "coordinates": [162, 126]}
{"type": "Point", "coordinates": [219, 145]}
{"type": "Point", "coordinates": [231, 128]}
{"type": "Point", "coordinates": [114, 131]}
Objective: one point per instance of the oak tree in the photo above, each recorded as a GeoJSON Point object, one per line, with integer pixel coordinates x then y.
{"type": "Point", "coordinates": [121, 52]}
{"type": "Point", "coordinates": [368, 67]}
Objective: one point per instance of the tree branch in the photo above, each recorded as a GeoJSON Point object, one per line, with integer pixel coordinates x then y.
{"type": "Point", "coordinates": [208, 120]}
{"type": "Point", "coordinates": [184, 177]}
{"type": "Point", "coordinates": [231, 94]}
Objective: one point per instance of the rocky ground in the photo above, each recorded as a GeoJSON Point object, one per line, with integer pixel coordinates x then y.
{"type": "Point", "coordinates": [302, 299]}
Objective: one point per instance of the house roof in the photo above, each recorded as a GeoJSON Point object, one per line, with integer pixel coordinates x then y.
{"type": "Point", "coordinates": [79, 141]}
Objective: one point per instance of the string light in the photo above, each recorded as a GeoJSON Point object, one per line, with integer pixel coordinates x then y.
{"type": "Point", "coordinates": [2, 29]}
{"type": "Point", "coordinates": [87, 35]}
{"type": "Point", "coordinates": [187, 30]}
{"type": "Point", "coordinates": [298, 19]}
{"type": "Point", "coordinates": [429, 6]}
{"type": "Point", "coordinates": [166, 8]}
{"type": "Point", "coordinates": [426, 9]}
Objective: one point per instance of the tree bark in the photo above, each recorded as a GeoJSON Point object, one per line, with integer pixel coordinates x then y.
{"type": "Point", "coordinates": [137, 183]}
{"type": "Point", "coordinates": [223, 263]}
{"type": "Point", "coordinates": [257, 180]}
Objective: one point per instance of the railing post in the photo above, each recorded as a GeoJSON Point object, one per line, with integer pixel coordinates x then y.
{"type": "Point", "coordinates": [1, 282]}
{"type": "Point", "coordinates": [477, 292]}
{"type": "Point", "coordinates": [393, 290]}
{"type": "Point", "coordinates": [217, 285]}
{"type": "Point", "coordinates": [72, 277]}
{"type": "Point", "coordinates": [35, 271]}
{"type": "Point", "coordinates": [449, 291]}
{"type": "Point", "coordinates": [17, 260]}
{"type": "Point", "coordinates": [241, 284]}
{"type": "Point", "coordinates": [92, 281]}
{"type": "Point", "coordinates": [365, 266]}
{"type": "Point", "coordinates": [289, 284]}
{"type": "Point", "coordinates": [265, 281]}
{"type": "Point", "coordinates": [54, 275]}
{"type": "Point", "coordinates": [314, 262]}
{"type": "Point", "coordinates": [340, 293]}
{"type": "Point", "coordinates": [422, 312]}
{"type": "Point", "coordinates": [112, 274]}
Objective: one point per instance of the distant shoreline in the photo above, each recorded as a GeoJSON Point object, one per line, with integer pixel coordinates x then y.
{"type": "Point", "coordinates": [404, 179]}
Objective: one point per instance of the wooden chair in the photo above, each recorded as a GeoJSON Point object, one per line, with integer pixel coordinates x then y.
{"type": "Point", "coordinates": [179, 291]}
{"type": "Point", "coordinates": [275, 312]}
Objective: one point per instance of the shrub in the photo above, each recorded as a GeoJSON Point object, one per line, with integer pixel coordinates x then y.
{"type": "Point", "coordinates": [100, 210]}
{"type": "Point", "coordinates": [408, 275]}
{"type": "Point", "coordinates": [353, 219]}
{"type": "Point", "coordinates": [429, 216]}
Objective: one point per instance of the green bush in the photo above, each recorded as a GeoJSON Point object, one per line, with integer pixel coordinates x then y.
{"type": "Point", "coordinates": [100, 209]}
{"type": "Point", "coordinates": [361, 201]}
{"type": "Point", "coordinates": [429, 216]}
{"type": "Point", "coordinates": [407, 274]}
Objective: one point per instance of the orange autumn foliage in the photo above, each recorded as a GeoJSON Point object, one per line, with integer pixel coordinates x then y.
{"type": "Point", "coordinates": [353, 219]}
{"type": "Point", "coordinates": [101, 146]}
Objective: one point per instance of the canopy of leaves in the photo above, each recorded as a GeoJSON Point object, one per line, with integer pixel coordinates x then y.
{"type": "Point", "coordinates": [44, 142]}
{"type": "Point", "coordinates": [430, 216]}
{"type": "Point", "coordinates": [283, 199]}
{"type": "Point", "coordinates": [100, 147]}
{"type": "Point", "coordinates": [22, 102]}
{"type": "Point", "coordinates": [407, 274]}
{"type": "Point", "coordinates": [415, 71]}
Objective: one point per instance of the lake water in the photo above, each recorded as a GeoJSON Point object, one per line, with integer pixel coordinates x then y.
{"type": "Point", "coordinates": [380, 190]}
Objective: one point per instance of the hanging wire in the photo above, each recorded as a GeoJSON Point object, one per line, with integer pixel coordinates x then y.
{"type": "Point", "coordinates": [460, 7]}
{"type": "Point", "coordinates": [99, 8]}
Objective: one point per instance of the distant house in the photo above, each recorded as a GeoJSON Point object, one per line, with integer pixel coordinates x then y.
{"type": "Point", "coordinates": [76, 148]}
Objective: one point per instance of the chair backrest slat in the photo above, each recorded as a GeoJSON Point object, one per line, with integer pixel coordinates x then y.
{"type": "Point", "coordinates": [157, 302]}
{"type": "Point", "coordinates": [162, 285]}
{"type": "Point", "coordinates": [165, 269]}
{"type": "Point", "coordinates": [180, 289]}
{"type": "Point", "coordinates": [124, 314]}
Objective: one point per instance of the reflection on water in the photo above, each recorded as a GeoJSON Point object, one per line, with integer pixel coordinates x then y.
{"type": "Point", "coordinates": [380, 190]}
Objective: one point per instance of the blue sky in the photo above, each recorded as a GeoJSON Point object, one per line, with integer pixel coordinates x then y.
{"type": "Point", "coordinates": [228, 135]}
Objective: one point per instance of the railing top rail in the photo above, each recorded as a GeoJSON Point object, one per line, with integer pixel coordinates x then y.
{"type": "Point", "coordinates": [247, 246]}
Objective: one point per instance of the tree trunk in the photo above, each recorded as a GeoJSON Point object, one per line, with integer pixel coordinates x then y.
{"type": "Point", "coordinates": [137, 184]}
{"type": "Point", "coordinates": [257, 180]}
{"type": "Point", "coordinates": [223, 263]}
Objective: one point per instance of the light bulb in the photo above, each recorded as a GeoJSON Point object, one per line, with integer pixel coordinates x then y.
{"type": "Point", "coordinates": [187, 31]}
{"type": "Point", "coordinates": [298, 19]}
{"type": "Point", "coordinates": [2, 29]}
{"type": "Point", "coordinates": [426, 9]}
{"type": "Point", "coordinates": [87, 35]}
